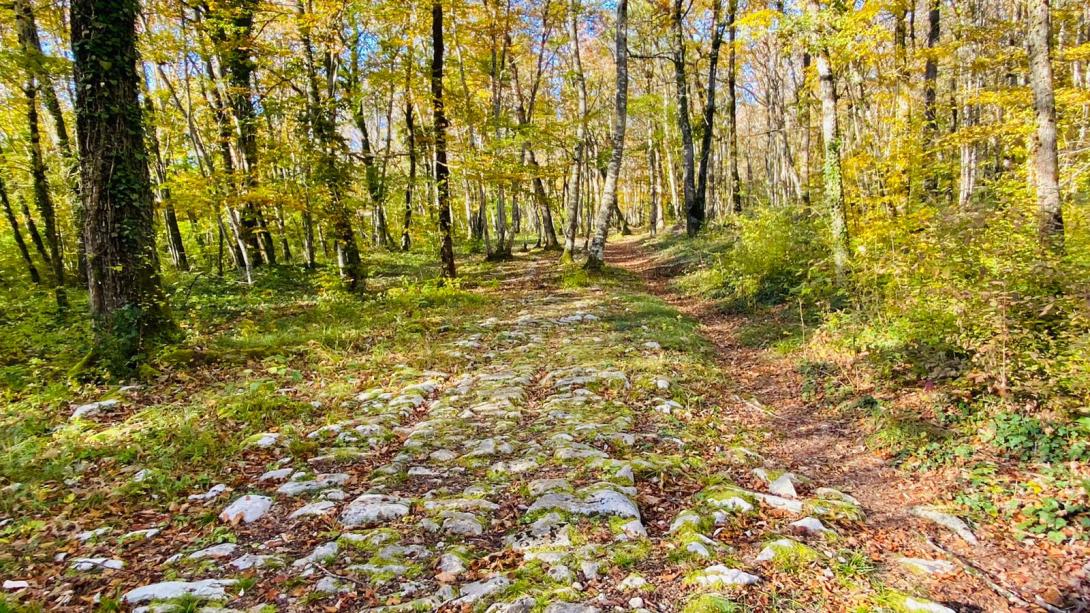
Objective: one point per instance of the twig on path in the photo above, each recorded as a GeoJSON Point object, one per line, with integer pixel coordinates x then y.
{"type": "Point", "coordinates": [984, 576]}
{"type": "Point", "coordinates": [756, 405]}
{"type": "Point", "coordinates": [341, 577]}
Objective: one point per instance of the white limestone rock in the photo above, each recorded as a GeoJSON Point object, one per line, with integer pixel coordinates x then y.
{"type": "Point", "coordinates": [277, 475]}
{"type": "Point", "coordinates": [247, 509]}
{"type": "Point", "coordinates": [472, 592]}
{"type": "Point", "coordinates": [211, 494]}
{"type": "Point", "coordinates": [322, 507]}
{"type": "Point", "coordinates": [206, 589]}
{"type": "Point", "coordinates": [92, 535]}
{"type": "Point", "coordinates": [927, 567]}
{"type": "Point", "coordinates": [370, 510]}
{"type": "Point", "coordinates": [93, 409]}
{"type": "Point", "coordinates": [810, 526]}
{"type": "Point", "coordinates": [319, 482]}
{"type": "Point", "coordinates": [249, 560]}
{"type": "Point", "coordinates": [263, 440]}
{"type": "Point", "coordinates": [87, 565]}
{"type": "Point", "coordinates": [948, 521]}
{"type": "Point", "coordinates": [719, 576]}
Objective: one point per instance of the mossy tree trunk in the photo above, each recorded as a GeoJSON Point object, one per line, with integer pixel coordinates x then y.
{"type": "Point", "coordinates": [128, 306]}
{"type": "Point", "coordinates": [831, 167]}
{"type": "Point", "coordinates": [1039, 43]}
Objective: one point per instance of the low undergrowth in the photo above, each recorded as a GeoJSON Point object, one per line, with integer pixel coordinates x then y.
{"type": "Point", "coordinates": [276, 355]}
{"type": "Point", "coordinates": [952, 338]}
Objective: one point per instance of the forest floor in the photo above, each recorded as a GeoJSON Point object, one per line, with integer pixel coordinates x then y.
{"type": "Point", "coordinates": [534, 439]}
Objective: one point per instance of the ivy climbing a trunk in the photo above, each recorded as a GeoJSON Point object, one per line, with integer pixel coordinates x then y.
{"type": "Point", "coordinates": [128, 306]}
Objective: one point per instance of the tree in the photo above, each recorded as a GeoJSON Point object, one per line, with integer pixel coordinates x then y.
{"type": "Point", "coordinates": [930, 89]}
{"type": "Point", "coordinates": [28, 37]}
{"type": "Point", "coordinates": [410, 183]}
{"type": "Point", "coordinates": [694, 217]}
{"type": "Point", "coordinates": [442, 171]}
{"type": "Point", "coordinates": [734, 185]}
{"type": "Point", "coordinates": [232, 25]}
{"type": "Point", "coordinates": [128, 306]}
{"type": "Point", "coordinates": [572, 212]}
{"type": "Point", "coordinates": [35, 64]}
{"type": "Point", "coordinates": [718, 29]}
{"type": "Point", "coordinates": [596, 253]}
{"type": "Point", "coordinates": [32, 270]}
{"type": "Point", "coordinates": [1050, 221]}
{"type": "Point", "coordinates": [832, 172]}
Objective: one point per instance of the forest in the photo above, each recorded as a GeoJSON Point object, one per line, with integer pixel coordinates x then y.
{"type": "Point", "coordinates": [561, 306]}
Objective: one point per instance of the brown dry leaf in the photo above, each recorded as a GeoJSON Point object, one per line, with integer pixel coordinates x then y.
{"type": "Point", "coordinates": [446, 577]}
{"type": "Point", "coordinates": [1053, 596]}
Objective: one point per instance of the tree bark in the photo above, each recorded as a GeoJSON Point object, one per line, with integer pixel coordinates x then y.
{"type": "Point", "coordinates": [694, 218]}
{"type": "Point", "coordinates": [232, 33]}
{"type": "Point", "coordinates": [35, 235]}
{"type": "Point", "coordinates": [128, 306]}
{"type": "Point", "coordinates": [718, 28]}
{"type": "Point", "coordinates": [170, 217]}
{"type": "Point", "coordinates": [735, 184]}
{"type": "Point", "coordinates": [442, 172]}
{"type": "Point", "coordinates": [831, 169]}
{"type": "Point", "coordinates": [572, 212]}
{"type": "Point", "coordinates": [596, 252]}
{"type": "Point", "coordinates": [1050, 221]}
{"type": "Point", "coordinates": [930, 78]}
{"type": "Point", "coordinates": [322, 125]}
{"type": "Point", "coordinates": [32, 270]}
{"type": "Point", "coordinates": [42, 199]}
{"type": "Point", "coordinates": [410, 130]}
{"type": "Point", "coordinates": [35, 65]}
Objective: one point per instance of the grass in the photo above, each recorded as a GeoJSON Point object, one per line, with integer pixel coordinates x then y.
{"type": "Point", "coordinates": [254, 359]}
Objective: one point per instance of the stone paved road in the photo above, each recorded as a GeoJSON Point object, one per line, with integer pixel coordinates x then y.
{"type": "Point", "coordinates": [556, 466]}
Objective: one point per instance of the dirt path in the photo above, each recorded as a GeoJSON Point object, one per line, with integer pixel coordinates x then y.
{"type": "Point", "coordinates": [765, 389]}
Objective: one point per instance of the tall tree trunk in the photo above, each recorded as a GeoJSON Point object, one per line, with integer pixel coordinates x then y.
{"type": "Point", "coordinates": [930, 78]}
{"type": "Point", "coordinates": [804, 121]}
{"type": "Point", "coordinates": [694, 218]}
{"type": "Point", "coordinates": [831, 169]}
{"type": "Point", "coordinates": [901, 179]}
{"type": "Point", "coordinates": [42, 199]}
{"type": "Point", "coordinates": [170, 217]}
{"type": "Point", "coordinates": [128, 306]}
{"type": "Point", "coordinates": [232, 33]}
{"type": "Point", "coordinates": [734, 184]}
{"type": "Point", "coordinates": [322, 125]}
{"type": "Point", "coordinates": [572, 213]}
{"type": "Point", "coordinates": [718, 28]}
{"type": "Point", "coordinates": [35, 65]}
{"type": "Point", "coordinates": [442, 172]}
{"type": "Point", "coordinates": [18, 234]}
{"type": "Point", "coordinates": [968, 114]}
{"type": "Point", "coordinates": [1050, 221]}
{"type": "Point", "coordinates": [375, 188]}
{"type": "Point", "coordinates": [541, 199]}
{"type": "Point", "coordinates": [410, 131]}
{"type": "Point", "coordinates": [497, 69]}
{"type": "Point", "coordinates": [35, 235]}
{"type": "Point", "coordinates": [654, 183]}
{"type": "Point", "coordinates": [596, 252]}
